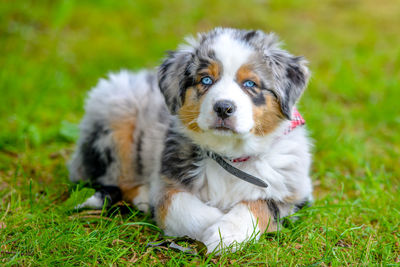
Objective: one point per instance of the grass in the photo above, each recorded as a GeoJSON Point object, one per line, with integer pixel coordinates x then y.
{"type": "Point", "coordinates": [52, 52]}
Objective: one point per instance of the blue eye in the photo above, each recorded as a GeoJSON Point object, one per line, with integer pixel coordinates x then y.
{"type": "Point", "coordinates": [206, 80]}
{"type": "Point", "coordinates": [249, 84]}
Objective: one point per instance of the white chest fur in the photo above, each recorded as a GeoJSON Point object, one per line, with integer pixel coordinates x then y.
{"type": "Point", "coordinates": [284, 167]}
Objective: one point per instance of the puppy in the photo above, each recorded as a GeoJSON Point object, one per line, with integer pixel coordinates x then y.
{"type": "Point", "coordinates": [211, 144]}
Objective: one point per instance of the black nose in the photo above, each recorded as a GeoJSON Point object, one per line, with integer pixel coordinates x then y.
{"type": "Point", "coordinates": [224, 108]}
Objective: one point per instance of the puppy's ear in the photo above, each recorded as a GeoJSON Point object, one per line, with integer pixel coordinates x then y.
{"type": "Point", "coordinates": [175, 75]}
{"type": "Point", "coordinates": [291, 79]}
{"type": "Point", "coordinates": [290, 74]}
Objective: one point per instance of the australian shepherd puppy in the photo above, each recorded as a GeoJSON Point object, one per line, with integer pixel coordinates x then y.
{"type": "Point", "coordinates": [211, 143]}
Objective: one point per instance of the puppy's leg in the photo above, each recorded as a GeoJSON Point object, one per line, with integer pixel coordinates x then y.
{"type": "Point", "coordinates": [181, 213]}
{"type": "Point", "coordinates": [245, 221]}
{"type": "Point", "coordinates": [104, 195]}
{"type": "Point", "coordinates": [137, 195]}
{"type": "Point", "coordinates": [133, 190]}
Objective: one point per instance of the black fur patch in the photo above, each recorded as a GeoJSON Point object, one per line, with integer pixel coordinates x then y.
{"type": "Point", "coordinates": [273, 207]}
{"type": "Point", "coordinates": [299, 206]}
{"type": "Point", "coordinates": [204, 63]}
{"type": "Point", "coordinates": [250, 35]}
{"type": "Point", "coordinates": [95, 162]}
{"type": "Point", "coordinates": [256, 95]}
{"type": "Point", "coordinates": [285, 107]}
{"type": "Point", "coordinates": [180, 158]}
{"type": "Point", "coordinates": [139, 160]}
{"type": "Point", "coordinates": [174, 105]}
{"type": "Point", "coordinates": [111, 194]}
{"type": "Point", "coordinates": [163, 74]}
{"type": "Point", "coordinates": [107, 193]}
{"type": "Point", "coordinates": [258, 99]}
{"type": "Point", "coordinates": [294, 74]}
{"type": "Point", "coordinates": [293, 88]}
{"type": "Point", "coordinates": [186, 82]}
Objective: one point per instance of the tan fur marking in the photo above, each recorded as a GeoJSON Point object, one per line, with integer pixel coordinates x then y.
{"type": "Point", "coordinates": [123, 138]}
{"type": "Point", "coordinates": [129, 193]}
{"type": "Point", "coordinates": [266, 117]}
{"type": "Point", "coordinates": [165, 203]}
{"type": "Point", "coordinates": [260, 211]}
{"type": "Point", "coordinates": [245, 72]}
{"type": "Point", "coordinates": [212, 70]}
{"type": "Point", "coordinates": [190, 110]}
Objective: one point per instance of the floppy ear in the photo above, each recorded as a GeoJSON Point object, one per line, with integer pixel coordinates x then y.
{"type": "Point", "coordinates": [290, 76]}
{"type": "Point", "coordinates": [175, 75]}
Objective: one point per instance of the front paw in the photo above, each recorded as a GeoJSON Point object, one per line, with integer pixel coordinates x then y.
{"type": "Point", "coordinates": [227, 235]}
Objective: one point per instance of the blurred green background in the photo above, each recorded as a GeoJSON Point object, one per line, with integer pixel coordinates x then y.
{"type": "Point", "coordinates": [52, 52]}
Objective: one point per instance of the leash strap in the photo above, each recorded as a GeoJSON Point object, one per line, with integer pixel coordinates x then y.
{"type": "Point", "coordinates": [236, 172]}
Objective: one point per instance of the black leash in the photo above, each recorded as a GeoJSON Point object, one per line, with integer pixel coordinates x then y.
{"type": "Point", "coordinates": [236, 172]}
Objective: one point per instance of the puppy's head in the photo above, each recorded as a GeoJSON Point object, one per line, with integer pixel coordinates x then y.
{"type": "Point", "coordinates": [232, 83]}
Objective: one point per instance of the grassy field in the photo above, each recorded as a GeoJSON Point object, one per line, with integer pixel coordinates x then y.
{"type": "Point", "coordinates": [52, 52]}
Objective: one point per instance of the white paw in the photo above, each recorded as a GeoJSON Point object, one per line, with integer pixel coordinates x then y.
{"type": "Point", "coordinates": [227, 235]}
{"type": "Point", "coordinates": [94, 202]}
{"type": "Point", "coordinates": [141, 201]}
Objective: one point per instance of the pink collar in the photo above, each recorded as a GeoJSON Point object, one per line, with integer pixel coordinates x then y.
{"type": "Point", "coordinates": [297, 120]}
{"type": "Point", "coordinates": [242, 159]}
